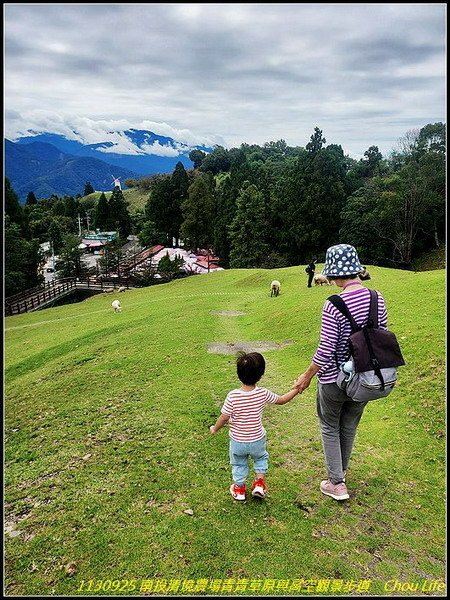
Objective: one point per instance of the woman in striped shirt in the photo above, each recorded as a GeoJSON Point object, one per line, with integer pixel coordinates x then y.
{"type": "Point", "coordinates": [338, 414]}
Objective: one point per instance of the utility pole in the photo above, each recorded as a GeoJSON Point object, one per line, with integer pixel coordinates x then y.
{"type": "Point", "coordinates": [88, 220]}
{"type": "Point", "coordinates": [79, 225]}
{"type": "Point", "coordinates": [134, 248]}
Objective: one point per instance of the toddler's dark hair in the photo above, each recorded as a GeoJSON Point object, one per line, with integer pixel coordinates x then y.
{"type": "Point", "coordinates": [250, 367]}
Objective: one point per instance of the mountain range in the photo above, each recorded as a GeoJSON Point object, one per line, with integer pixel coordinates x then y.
{"type": "Point", "coordinates": [48, 163]}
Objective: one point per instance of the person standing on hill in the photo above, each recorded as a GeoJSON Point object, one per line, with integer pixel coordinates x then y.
{"type": "Point", "coordinates": [311, 269]}
{"type": "Point", "coordinates": [339, 415]}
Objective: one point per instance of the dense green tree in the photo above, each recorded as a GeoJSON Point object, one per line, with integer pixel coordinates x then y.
{"type": "Point", "coordinates": [101, 213]}
{"type": "Point", "coordinates": [197, 229]}
{"type": "Point", "coordinates": [432, 138]}
{"type": "Point", "coordinates": [216, 162]}
{"type": "Point", "coordinates": [71, 208]}
{"type": "Point", "coordinates": [179, 193]}
{"type": "Point", "coordinates": [149, 235]}
{"type": "Point", "coordinates": [308, 201]}
{"type": "Point", "coordinates": [58, 209]}
{"type": "Point", "coordinates": [112, 257]}
{"type": "Point", "coordinates": [393, 218]}
{"type": "Point", "coordinates": [316, 141]}
{"type": "Point", "coordinates": [22, 259]}
{"type": "Point", "coordinates": [118, 216]}
{"type": "Point", "coordinates": [88, 189]}
{"type": "Point", "coordinates": [55, 235]}
{"type": "Point", "coordinates": [13, 208]}
{"type": "Point", "coordinates": [248, 229]}
{"type": "Point", "coordinates": [31, 199]}
{"type": "Point", "coordinates": [197, 157]}
{"type": "Point", "coordinates": [158, 207]}
{"type": "Point", "coordinates": [71, 261]}
{"type": "Point", "coordinates": [225, 210]}
{"type": "Point", "coordinates": [170, 267]}
{"type": "Point", "coordinates": [363, 224]}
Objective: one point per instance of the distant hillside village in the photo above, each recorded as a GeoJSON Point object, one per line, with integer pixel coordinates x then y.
{"type": "Point", "coordinates": [130, 260]}
{"type": "Point", "coordinates": [269, 206]}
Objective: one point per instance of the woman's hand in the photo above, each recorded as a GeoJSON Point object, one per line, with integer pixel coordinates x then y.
{"type": "Point", "coordinates": [302, 382]}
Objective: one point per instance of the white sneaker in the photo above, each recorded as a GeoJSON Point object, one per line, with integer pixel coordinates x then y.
{"type": "Point", "coordinates": [238, 492]}
{"type": "Point", "coordinates": [259, 488]}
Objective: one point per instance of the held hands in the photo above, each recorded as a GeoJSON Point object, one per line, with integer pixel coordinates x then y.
{"type": "Point", "coordinates": [302, 382]}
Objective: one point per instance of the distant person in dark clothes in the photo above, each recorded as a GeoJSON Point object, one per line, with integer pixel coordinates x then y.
{"type": "Point", "coordinates": [311, 269]}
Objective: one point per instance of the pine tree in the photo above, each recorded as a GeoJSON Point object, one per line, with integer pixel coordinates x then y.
{"type": "Point", "coordinates": [248, 229]}
{"type": "Point", "coordinates": [101, 213]}
{"type": "Point", "coordinates": [180, 186]}
{"type": "Point", "coordinates": [88, 189]}
{"type": "Point", "coordinates": [31, 199]}
{"type": "Point", "coordinates": [118, 216]}
{"type": "Point", "coordinates": [13, 207]}
{"type": "Point", "coordinates": [198, 213]}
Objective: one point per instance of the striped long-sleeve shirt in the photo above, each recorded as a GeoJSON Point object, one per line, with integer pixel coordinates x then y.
{"type": "Point", "coordinates": [333, 348]}
{"type": "Point", "coordinates": [245, 410]}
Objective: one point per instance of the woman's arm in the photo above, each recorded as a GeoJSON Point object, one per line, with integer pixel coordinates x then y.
{"type": "Point", "coordinates": [304, 379]}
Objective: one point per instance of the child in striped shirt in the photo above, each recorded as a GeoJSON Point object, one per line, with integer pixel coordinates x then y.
{"type": "Point", "coordinates": [243, 409]}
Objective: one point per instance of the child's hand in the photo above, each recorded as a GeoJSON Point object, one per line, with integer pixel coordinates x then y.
{"type": "Point", "coordinates": [212, 429]}
{"type": "Point", "coordinates": [296, 387]}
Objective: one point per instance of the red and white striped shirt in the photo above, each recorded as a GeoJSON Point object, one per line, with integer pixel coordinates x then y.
{"type": "Point", "coordinates": [333, 348]}
{"type": "Point", "coordinates": [245, 410]}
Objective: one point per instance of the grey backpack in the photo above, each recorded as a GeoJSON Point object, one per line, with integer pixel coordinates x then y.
{"type": "Point", "coordinates": [375, 355]}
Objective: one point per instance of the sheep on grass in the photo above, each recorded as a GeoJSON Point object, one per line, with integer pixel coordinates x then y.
{"type": "Point", "coordinates": [320, 279]}
{"type": "Point", "coordinates": [116, 306]}
{"type": "Point", "coordinates": [275, 288]}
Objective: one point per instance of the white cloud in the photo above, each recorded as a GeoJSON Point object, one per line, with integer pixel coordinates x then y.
{"type": "Point", "coordinates": [160, 149]}
{"type": "Point", "coordinates": [225, 74]}
{"type": "Point", "coordinates": [90, 131]}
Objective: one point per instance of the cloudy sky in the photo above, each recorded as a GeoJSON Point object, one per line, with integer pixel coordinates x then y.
{"type": "Point", "coordinates": [226, 73]}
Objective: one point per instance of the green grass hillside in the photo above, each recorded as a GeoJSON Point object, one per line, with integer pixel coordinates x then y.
{"type": "Point", "coordinates": [107, 444]}
{"type": "Point", "coordinates": [135, 198]}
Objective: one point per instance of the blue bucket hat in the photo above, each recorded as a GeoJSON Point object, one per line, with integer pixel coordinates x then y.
{"type": "Point", "coordinates": [341, 260]}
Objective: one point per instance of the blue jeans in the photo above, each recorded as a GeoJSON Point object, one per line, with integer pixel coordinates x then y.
{"type": "Point", "coordinates": [239, 455]}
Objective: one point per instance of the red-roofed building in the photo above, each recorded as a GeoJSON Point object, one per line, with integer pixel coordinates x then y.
{"type": "Point", "coordinates": [141, 257]}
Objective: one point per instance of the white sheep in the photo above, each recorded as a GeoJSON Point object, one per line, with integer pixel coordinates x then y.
{"type": "Point", "coordinates": [320, 279]}
{"type": "Point", "coordinates": [122, 288]}
{"type": "Point", "coordinates": [108, 290]}
{"type": "Point", "coordinates": [116, 306]}
{"type": "Point", "coordinates": [275, 288]}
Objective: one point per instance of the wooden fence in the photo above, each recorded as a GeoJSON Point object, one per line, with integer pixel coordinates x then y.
{"type": "Point", "coordinates": [39, 297]}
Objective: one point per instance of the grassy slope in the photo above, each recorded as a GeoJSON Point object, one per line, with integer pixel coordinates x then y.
{"type": "Point", "coordinates": [137, 391]}
{"type": "Point", "coordinates": [429, 261]}
{"type": "Point", "coordinates": [136, 199]}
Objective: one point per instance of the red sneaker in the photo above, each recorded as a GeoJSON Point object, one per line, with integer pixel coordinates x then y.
{"type": "Point", "coordinates": [259, 488]}
{"type": "Point", "coordinates": [237, 491]}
